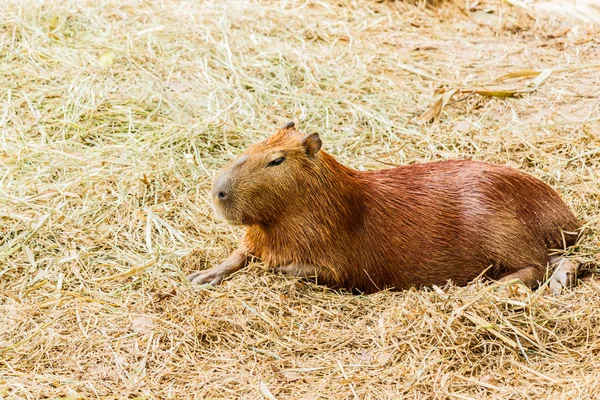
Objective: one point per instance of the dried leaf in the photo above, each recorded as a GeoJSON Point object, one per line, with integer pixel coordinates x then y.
{"type": "Point", "coordinates": [533, 85]}
{"type": "Point", "coordinates": [189, 158]}
{"type": "Point", "coordinates": [106, 59]}
{"type": "Point", "coordinates": [291, 376]}
{"type": "Point", "coordinates": [463, 126]}
{"type": "Point", "coordinates": [417, 71]}
{"type": "Point", "coordinates": [440, 102]}
{"type": "Point", "coordinates": [142, 324]}
{"type": "Point", "coordinates": [393, 77]}
{"type": "Point", "coordinates": [540, 77]}
{"type": "Point", "coordinates": [436, 108]}
{"type": "Point", "coordinates": [177, 86]}
{"type": "Point", "coordinates": [383, 357]}
{"type": "Point", "coordinates": [489, 379]}
{"type": "Point", "coordinates": [364, 357]}
{"type": "Point", "coordinates": [524, 73]}
{"type": "Point", "coordinates": [497, 92]}
{"type": "Point", "coordinates": [125, 274]}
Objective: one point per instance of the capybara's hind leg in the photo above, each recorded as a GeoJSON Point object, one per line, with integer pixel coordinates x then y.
{"type": "Point", "coordinates": [530, 276]}
{"type": "Point", "coordinates": [322, 275]}
{"type": "Point", "coordinates": [298, 270]}
{"type": "Point", "coordinates": [565, 273]}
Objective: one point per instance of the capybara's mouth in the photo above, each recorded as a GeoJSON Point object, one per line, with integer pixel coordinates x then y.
{"type": "Point", "coordinates": [234, 222]}
{"type": "Point", "coordinates": [227, 216]}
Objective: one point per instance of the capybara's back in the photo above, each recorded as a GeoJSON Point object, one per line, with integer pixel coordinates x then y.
{"type": "Point", "coordinates": [452, 220]}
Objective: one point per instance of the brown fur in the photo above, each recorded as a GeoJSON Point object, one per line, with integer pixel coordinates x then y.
{"type": "Point", "coordinates": [408, 226]}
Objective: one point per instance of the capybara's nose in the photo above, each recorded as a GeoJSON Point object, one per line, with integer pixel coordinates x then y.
{"type": "Point", "coordinates": [220, 189]}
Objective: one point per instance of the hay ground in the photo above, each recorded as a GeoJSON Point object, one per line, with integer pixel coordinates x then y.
{"type": "Point", "coordinates": [114, 116]}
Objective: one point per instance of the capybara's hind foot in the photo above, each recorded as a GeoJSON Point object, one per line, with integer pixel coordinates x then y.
{"type": "Point", "coordinates": [298, 270]}
{"type": "Point", "coordinates": [529, 276]}
{"type": "Point", "coordinates": [564, 276]}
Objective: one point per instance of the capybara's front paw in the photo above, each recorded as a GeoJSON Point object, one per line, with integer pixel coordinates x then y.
{"type": "Point", "coordinates": [214, 276]}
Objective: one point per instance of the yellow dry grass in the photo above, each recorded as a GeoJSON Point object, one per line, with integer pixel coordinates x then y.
{"type": "Point", "coordinates": [115, 115]}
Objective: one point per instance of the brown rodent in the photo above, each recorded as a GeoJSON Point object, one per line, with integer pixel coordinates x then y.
{"type": "Point", "coordinates": [417, 225]}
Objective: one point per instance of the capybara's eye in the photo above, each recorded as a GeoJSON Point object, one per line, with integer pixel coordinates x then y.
{"type": "Point", "coordinates": [276, 161]}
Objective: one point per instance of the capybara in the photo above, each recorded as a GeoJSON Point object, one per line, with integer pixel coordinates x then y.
{"type": "Point", "coordinates": [307, 215]}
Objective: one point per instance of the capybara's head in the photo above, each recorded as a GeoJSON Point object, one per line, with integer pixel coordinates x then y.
{"type": "Point", "coordinates": [257, 186]}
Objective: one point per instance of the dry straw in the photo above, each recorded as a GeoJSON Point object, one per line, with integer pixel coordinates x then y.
{"type": "Point", "coordinates": [114, 116]}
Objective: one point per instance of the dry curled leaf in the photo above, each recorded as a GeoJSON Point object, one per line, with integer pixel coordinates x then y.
{"type": "Point", "coordinates": [364, 357]}
{"type": "Point", "coordinates": [142, 323]}
{"type": "Point", "coordinates": [434, 112]}
{"type": "Point", "coordinates": [106, 59]}
{"type": "Point", "coordinates": [463, 126]}
{"type": "Point", "coordinates": [497, 92]}
{"type": "Point", "coordinates": [417, 71]}
{"type": "Point", "coordinates": [177, 86]}
{"type": "Point", "coordinates": [383, 357]}
{"type": "Point", "coordinates": [524, 73]}
{"type": "Point", "coordinates": [291, 376]}
{"type": "Point", "coordinates": [489, 379]}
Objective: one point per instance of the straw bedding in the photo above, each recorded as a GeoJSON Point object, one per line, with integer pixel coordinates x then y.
{"type": "Point", "coordinates": [115, 115]}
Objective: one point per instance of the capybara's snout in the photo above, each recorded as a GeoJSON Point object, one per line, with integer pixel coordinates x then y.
{"type": "Point", "coordinates": [222, 196]}
{"type": "Point", "coordinates": [221, 189]}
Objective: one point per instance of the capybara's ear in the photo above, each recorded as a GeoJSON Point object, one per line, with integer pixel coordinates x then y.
{"type": "Point", "coordinates": [311, 143]}
{"type": "Point", "coordinates": [288, 125]}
